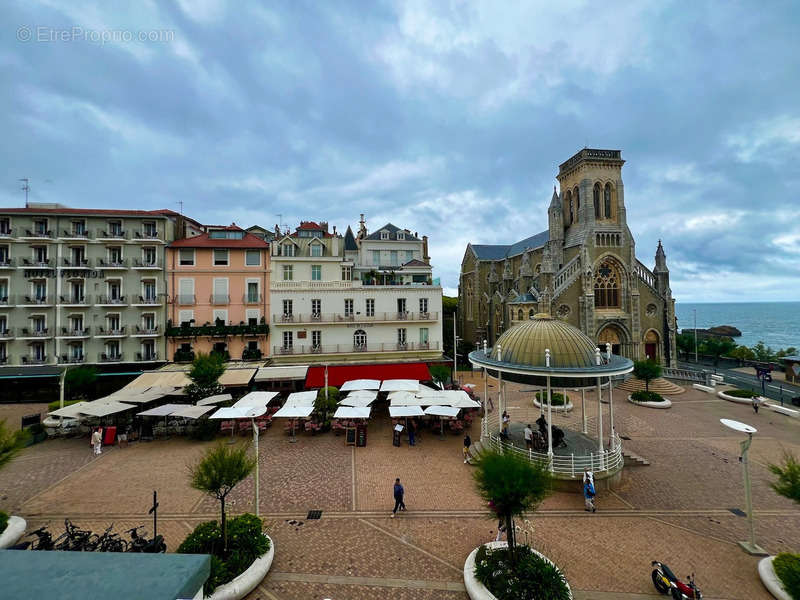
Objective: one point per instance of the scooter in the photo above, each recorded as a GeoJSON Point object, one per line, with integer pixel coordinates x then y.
{"type": "Point", "coordinates": [666, 582]}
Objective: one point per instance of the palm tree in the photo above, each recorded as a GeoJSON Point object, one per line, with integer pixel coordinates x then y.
{"type": "Point", "coordinates": [512, 484]}
{"type": "Point", "coordinates": [218, 472]}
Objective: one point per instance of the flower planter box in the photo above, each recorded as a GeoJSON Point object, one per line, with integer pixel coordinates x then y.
{"type": "Point", "coordinates": [245, 582]}
{"type": "Point", "coordinates": [770, 579]}
{"type": "Point", "coordinates": [475, 589]}
{"type": "Point", "coordinates": [665, 404]}
{"type": "Point", "coordinates": [13, 531]}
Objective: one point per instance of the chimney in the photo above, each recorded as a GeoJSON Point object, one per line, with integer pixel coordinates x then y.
{"type": "Point", "coordinates": [362, 227]}
{"type": "Point", "coordinates": [425, 258]}
{"type": "Point", "coordinates": [334, 230]}
{"type": "Point", "coordinates": [324, 225]}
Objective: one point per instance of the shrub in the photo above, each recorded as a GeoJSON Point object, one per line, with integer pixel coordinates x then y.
{"type": "Point", "coordinates": [245, 544]}
{"type": "Point", "coordinates": [557, 397]}
{"type": "Point", "coordinates": [323, 406]}
{"type": "Point", "coordinates": [56, 404]}
{"type": "Point", "coordinates": [532, 578]}
{"type": "Point", "coordinates": [3, 521]}
{"type": "Point", "coordinates": [741, 393]}
{"type": "Point", "coordinates": [787, 568]}
{"type": "Point", "coordinates": [642, 396]}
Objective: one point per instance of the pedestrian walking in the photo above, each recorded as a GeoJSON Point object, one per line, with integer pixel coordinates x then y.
{"type": "Point", "coordinates": [97, 441]}
{"type": "Point", "coordinates": [529, 436]}
{"type": "Point", "coordinates": [501, 529]}
{"type": "Point", "coordinates": [489, 403]}
{"type": "Point", "coordinates": [412, 430]}
{"type": "Point", "coordinates": [755, 404]}
{"type": "Point", "coordinates": [399, 492]}
{"type": "Point", "coordinates": [467, 444]}
{"type": "Point", "coordinates": [506, 421]}
{"type": "Point", "coordinates": [588, 491]}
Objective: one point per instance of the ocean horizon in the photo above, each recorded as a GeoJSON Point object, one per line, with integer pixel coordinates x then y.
{"type": "Point", "coordinates": [777, 324]}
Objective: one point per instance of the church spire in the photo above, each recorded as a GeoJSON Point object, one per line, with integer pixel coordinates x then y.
{"type": "Point", "coordinates": [555, 201]}
{"type": "Point", "coordinates": [661, 260]}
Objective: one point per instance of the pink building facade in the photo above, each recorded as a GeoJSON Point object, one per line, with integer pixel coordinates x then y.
{"type": "Point", "coordinates": [218, 286]}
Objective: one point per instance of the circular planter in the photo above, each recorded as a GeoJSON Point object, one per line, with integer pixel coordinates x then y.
{"type": "Point", "coordinates": [725, 396]}
{"type": "Point", "coordinates": [665, 404]}
{"type": "Point", "coordinates": [562, 408]}
{"type": "Point", "coordinates": [770, 579]}
{"type": "Point", "coordinates": [245, 582]}
{"type": "Point", "coordinates": [475, 589]}
{"type": "Point", "coordinates": [13, 531]}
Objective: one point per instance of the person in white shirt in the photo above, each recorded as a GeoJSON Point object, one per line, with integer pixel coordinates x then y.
{"type": "Point", "coordinates": [528, 436]}
{"type": "Point", "coordinates": [97, 441]}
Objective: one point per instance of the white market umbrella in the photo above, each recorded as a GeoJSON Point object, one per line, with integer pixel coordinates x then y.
{"type": "Point", "coordinates": [73, 410]}
{"type": "Point", "coordinates": [400, 385]}
{"type": "Point", "coordinates": [292, 411]}
{"type": "Point", "coordinates": [161, 411]}
{"type": "Point", "coordinates": [399, 412]}
{"type": "Point", "coordinates": [219, 398]}
{"type": "Point", "coordinates": [301, 398]}
{"type": "Point", "coordinates": [352, 412]}
{"type": "Point", "coordinates": [256, 399]}
{"type": "Point", "coordinates": [442, 411]}
{"type": "Point", "coordinates": [99, 408]}
{"type": "Point", "coordinates": [360, 384]}
{"type": "Point", "coordinates": [192, 412]}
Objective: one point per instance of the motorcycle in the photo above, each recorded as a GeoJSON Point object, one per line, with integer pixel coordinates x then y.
{"type": "Point", "coordinates": [666, 582]}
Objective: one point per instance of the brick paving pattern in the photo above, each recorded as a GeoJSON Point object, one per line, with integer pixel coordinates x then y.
{"type": "Point", "coordinates": [675, 510]}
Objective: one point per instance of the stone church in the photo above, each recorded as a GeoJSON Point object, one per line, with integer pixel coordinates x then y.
{"type": "Point", "coordinates": [582, 269]}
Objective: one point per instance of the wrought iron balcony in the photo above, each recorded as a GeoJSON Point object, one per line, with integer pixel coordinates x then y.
{"type": "Point", "coordinates": [110, 357]}
{"type": "Point", "coordinates": [80, 263]}
{"type": "Point", "coordinates": [103, 234]}
{"type": "Point", "coordinates": [44, 300]}
{"type": "Point", "coordinates": [73, 332]}
{"type": "Point", "coordinates": [75, 300]}
{"type": "Point", "coordinates": [110, 332]}
{"type": "Point", "coordinates": [153, 265]}
{"type": "Point", "coordinates": [34, 360]}
{"type": "Point", "coordinates": [75, 234]}
{"type": "Point", "coordinates": [39, 234]}
{"type": "Point", "coordinates": [219, 299]}
{"type": "Point", "coordinates": [146, 357]}
{"type": "Point", "coordinates": [108, 263]}
{"type": "Point", "coordinates": [373, 317]}
{"type": "Point", "coordinates": [45, 263]}
{"type": "Point", "coordinates": [106, 300]}
{"type": "Point", "coordinates": [70, 359]}
{"type": "Point", "coordinates": [298, 349]}
{"type": "Point", "coordinates": [6, 262]}
{"type": "Point", "coordinates": [186, 299]}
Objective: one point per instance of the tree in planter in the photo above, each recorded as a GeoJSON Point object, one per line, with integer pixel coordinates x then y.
{"type": "Point", "coordinates": [440, 374]}
{"type": "Point", "coordinates": [788, 483]}
{"type": "Point", "coordinates": [11, 442]}
{"type": "Point", "coordinates": [218, 472]}
{"type": "Point", "coordinates": [717, 346]}
{"type": "Point", "coordinates": [77, 381]}
{"type": "Point", "coordinates": [205, 373]}
{"type": "Point", "coordinates": [512, 484]}
{"type": "Point", "coordinates": [646, 370]}
{"type": "Point", "coordinates": [325, 407]}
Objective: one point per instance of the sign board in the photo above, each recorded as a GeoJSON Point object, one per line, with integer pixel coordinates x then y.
{"type": "Point", "coordinates": [361, 441]}
{"type": "Point", "coordinates": [350, 436]}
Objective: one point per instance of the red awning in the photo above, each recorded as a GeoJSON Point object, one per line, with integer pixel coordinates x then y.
{"type": "Point", "coordinates": [315, 378]}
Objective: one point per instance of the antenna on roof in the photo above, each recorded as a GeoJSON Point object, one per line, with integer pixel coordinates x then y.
{"type": "Point", "coordinates": [25, 188]}
{"type": "Point", "coordinates": [180, 206]}
{"type": "Point", "coordinates": [280, 221]}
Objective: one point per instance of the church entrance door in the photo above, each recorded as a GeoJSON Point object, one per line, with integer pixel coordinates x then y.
{"type": "Point", "coordinates": [650, 350]}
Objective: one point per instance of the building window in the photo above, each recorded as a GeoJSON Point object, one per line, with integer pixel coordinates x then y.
{"type": "Point", "coordinates": [606, 286]}
{"type": "Point", "coordinates": [530, 314]}
{"type": "Point", "coordinates": [149, 290]}
{"type": "Point", "coordinates": [316, 339]}
{"type": "Point", "coordinates": [115, 255]}
{"type": "Point", "coordinates": [79, 228]}
{"type": "Point", "coordinates": [150, 229]}
{"type": "Point", "coordinates": [519, 315]}
{"type": "Point", "coordinates": [316, 249]}
{"type": "Point", "coordinates": [423, 305]}
{"type": "Point", "coordinates": [252, 258]}
{"type": "Point", "coordinates": [40, 255]}
{"type": "Point", "coordinates": [287, 249]}
{"type": "Point", "coordinates": [113, 323]}
{"type": "Point", "coordinates": [401, 308]}
{"type": "Point", "coordinates": [220, 316]}
{"type": "Point", "coordinates": [423, 337]}
{"type": "Point", "coordinates": [115, 228]}
{"type": "Point", "coordinates": [288, 340]}
{"type": "Point", "coordinates": [316, 272]}
{"type": "Point", "coordinates": [401, 235]}
{"type": "Point", "coordinates": [393, 258]}
{"type": "Point", "coordinates": [185, 317]}
{"type": "Point", "coordinates": [384, 235]}
{"type": "Point", "coordinates": [149, 322]}
{"type": "Point", "coordinates": [607, 200]}
{"type": "Point", "coordinates": [401, 337]}
{"type": "Point", "coordinates": [220, 257]}
{"type": "Point", "coordinates": [287, 308]}
{"type": "Point", "coordinates": [112, 349]}
{"type": "Point", "coordinates": [5, 226]}
{"type": "Point", "coordinates": [252, 291]}
{"type": "Point", "coordinates": [40, 291]}
{"type": "Point", "coordinates": [347, 273]}
{"type": "Point", "coordinates": [252, 316]}
{"type": "Point", "coordinates": [571, 212]}
{"type": "Point", "coordinates": [348, 307]}
{"type": "Point", "coordinates": [596, 198]}
{"type": "Point", "coordinates": [316, 309]}
{"type": "Point", "coordinates": [409, 255]}
{"type": "Point", "coordinates": [288, 273]}
{"type": "Point", "coordinates": [370, 307]}
{"type": "Point", "coordinates": [40, 226]}
{"type": "Point", "coordinates": [360, 339]}
{"type": "Point", "coordinates": [376, 257]}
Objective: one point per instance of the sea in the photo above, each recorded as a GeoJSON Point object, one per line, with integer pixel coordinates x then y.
{"type": "Point", "coordinates": [777, 324]}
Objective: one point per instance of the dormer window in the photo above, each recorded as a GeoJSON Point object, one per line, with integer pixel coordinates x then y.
{"type": "Point", "coordinates": [401, 235]}
{"type": "Point", "coordinates": [316, 249]}
{"type": "Point", "coordinates": [287, 249]}
{"type": "Point", "coordinates": [384, 235]}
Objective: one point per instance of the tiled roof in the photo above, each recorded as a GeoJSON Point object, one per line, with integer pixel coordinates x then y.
{"type": "Point", "coordinates": [415, 263]}
{"type": "Point", "coordinates": [84, 211]}
{"type": "Point", "coordinates": [204, 241]}
{"type": "Point", "coordinates": [499, 251]}
{"type": "Point", "coordinates": [350, 240]}
{"type": "Point", "coordinates": [392, 229]}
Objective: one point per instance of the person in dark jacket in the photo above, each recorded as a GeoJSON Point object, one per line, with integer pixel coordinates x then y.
{"type": "Point", "coordinates": [399, 492]}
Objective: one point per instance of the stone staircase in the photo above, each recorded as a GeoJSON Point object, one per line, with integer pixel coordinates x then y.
{"type": "Point", "coordinates": [475, 449]}
{"type": "Point", "coordinates": [566, 276]}
{"type": "Point", "coordinates": [659, 386]}
{"type": "Point", "coordinates": [633, 460]}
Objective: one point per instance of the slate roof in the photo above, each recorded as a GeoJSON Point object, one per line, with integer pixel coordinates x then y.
{"type": "Point", "coordinates": [498, 251]}
{"type": "Point", "coordinates": [350, 240]}
{"type": "Point", "coordinates": [415, 263]}
{"type": "Point", "coordinates": [392, 229]}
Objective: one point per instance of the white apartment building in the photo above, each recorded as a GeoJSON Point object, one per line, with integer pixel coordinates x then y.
{"type": "Point", "coordinates": [353, 299]}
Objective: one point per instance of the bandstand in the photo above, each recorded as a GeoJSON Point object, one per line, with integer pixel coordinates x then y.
{"type": "Point", "coordinates": [551, 355]}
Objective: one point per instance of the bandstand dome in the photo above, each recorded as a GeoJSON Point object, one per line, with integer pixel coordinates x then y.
{"type": "Point", "coordinates": [526, 342]}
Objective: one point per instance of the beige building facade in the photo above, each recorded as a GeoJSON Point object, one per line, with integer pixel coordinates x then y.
{"type": "Point", "coordinates": [582, 269]}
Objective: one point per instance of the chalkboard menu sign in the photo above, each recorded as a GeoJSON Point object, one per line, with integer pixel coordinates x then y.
{"type": "Point", "coordinates": [350, 436]}
{"type": "Point", "coordinates": [362, 437]}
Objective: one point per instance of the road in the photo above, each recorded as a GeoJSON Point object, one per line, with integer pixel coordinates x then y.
{"type": "Point", "coordinates": [774, 389]}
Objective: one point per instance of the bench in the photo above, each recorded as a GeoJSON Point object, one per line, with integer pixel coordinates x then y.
{"type": "Point", "coordinates": [703, 388]}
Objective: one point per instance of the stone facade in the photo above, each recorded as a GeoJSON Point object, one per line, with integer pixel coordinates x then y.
{"type": "Point", "coordinates": [582, 269]}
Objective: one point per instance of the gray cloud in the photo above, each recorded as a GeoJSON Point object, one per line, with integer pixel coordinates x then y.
{"type": "Point", "coordinates": [450, 119]}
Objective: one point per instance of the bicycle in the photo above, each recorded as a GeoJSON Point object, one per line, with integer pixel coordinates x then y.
{"type": "Point", "coordinates": [140, 543]}
{"type": "Point", "coordinates": [43, 541]}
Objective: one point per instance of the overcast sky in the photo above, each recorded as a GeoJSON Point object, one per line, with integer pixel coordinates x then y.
{"type": "Point", "coordinates": [447, 118]}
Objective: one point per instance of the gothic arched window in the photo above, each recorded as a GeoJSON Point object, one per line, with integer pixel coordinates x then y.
{"type": "Point", "coordinates": [596, 198]}
{"type": "Point", "coordinates": [577, 206]}
{"type": "Point", "coordinates": [530, 314]}
{"type": "Point", "coordinates": [607, 200]}
{"type": "Point", "coordinates": [519, 315]}
{"type": "Point", "coordinates": [360, 339]}
{"type": "Point", "coordinates": [571, 212]}
{"type": "Point", "coordinates": [606, 285]}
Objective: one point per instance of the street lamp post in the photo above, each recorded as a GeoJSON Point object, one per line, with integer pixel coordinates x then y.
{"type": "Point", "coordinates": [750, 545]}
{"type": "Point", "coordinates": [694, 310]}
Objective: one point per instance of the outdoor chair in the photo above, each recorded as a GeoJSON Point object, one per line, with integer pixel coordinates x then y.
{"type": "Point", "coordinates": [245, 427]}
{"type": "Point", "coordinates": [227, 426]}
{"type": "Point", "coordinates": [337, 426]}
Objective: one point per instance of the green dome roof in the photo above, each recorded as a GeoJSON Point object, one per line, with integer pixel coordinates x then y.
{"type": "Point", "coordinates": [525, 343]}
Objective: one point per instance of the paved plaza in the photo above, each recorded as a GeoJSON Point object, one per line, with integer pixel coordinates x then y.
{"type": "Point", "coordinates": [677, 509]}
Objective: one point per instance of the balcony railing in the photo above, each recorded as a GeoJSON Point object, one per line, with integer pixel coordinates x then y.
{"type": "Point", "coordinates": [110, 332]}
{"type": "Point", "coordinates": [33, 263]}
{"type": "Point", "coordinates": [76, 300]}
{"type": "Point", "coordinates": [6, 233]}
{"type": "Point", "coordinates": [350, 318]}
{"type": "Point", "coordinates": [252, 299]}
{"type": "Point", "coordinates": [80, 263]}
{"type": "Point", "coordinates": [6, 300]}
{"type": "Point", "coordinates": [146, 330]}
{"type": "Point", "coordinates": [104, 234]}
{"type": "Point", "coordinates": [110, 357]}
{"type": "Point", "coordinates": [6, 332]}
{"type": "Point", "coordinates": [34, 360]}
{"type": "Point", "coordinates": [186, 299]}
{"type": "Point", "coordinates": [78, 234]}
{"type": "Point", "coordinates": [37, 300]}
{"type": "Point", "coordinates": [139, 263]}
{"type": "Point", "coordinates": [27, 332]}
{"type": "Point", "coordinates": [219, 299]}
{"type": "Point", "coordinates": [217, 330]}
{"type": "Point", "coordinates": [105, 299]}
{"type": "Point", "coordinates": [145, 357]}
{"type": "Point", "coordinates": [353, 348]}
{"type": "Point", "coordinates": [315, 285]}
{"type": "Point", "coordinates": [70, 359]}
{"type": "Point", "coordinates": [145, 234]}
{"type": "Point", "coordinates": [38, 234]}
{"type": "Point", "coordinates": [147, 300]}
{"type": "Point", "coordinates": [6, 262]}
{"type": "Point", "coordinates": [72, 332]}
{"type": "Point", "coordinates": [107, 263]}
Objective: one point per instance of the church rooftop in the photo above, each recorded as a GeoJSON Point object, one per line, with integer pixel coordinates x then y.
{"type": "Point", "coordinates": [500, 251]}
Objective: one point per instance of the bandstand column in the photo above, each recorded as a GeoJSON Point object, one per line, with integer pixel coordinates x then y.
{"type": "Point", "coordinates": [599, 406]}
{"type": "Point", "coordinates": [583, 408]}
{"type": "Point", "coordinates": [610, 398]}
{"type": "Point", "coordinates": [549, 411]}
{"type": "Point", "coordinates": [501, 396]}
{"type": "Point", "coordinates": [485, 422]}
